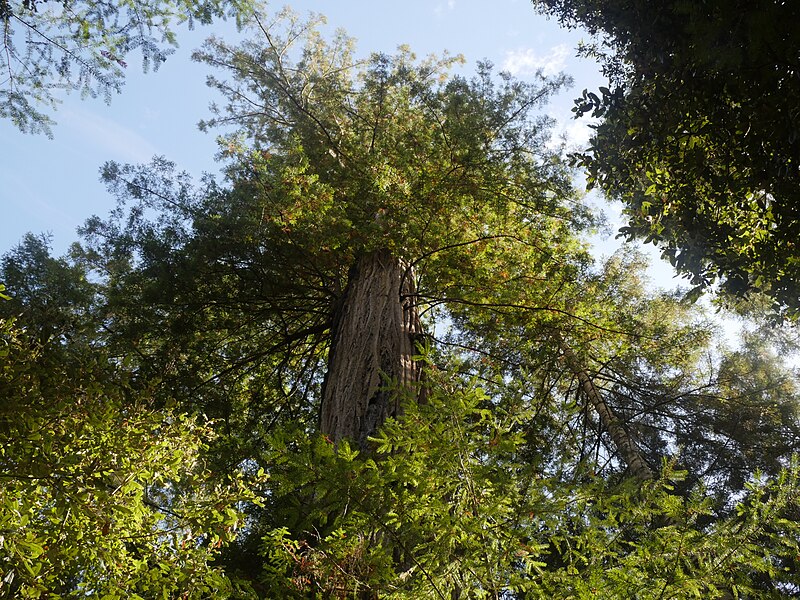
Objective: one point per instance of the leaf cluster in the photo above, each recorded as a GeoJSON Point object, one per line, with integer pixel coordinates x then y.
{"type": "Point", "coordinates": [450, 506]}
{"type": "Point", "coordinates": [75, 45]}
{"type": "Point", "coordinates": [101, 495]}
{"type": "Point", "coordinates": [699, 134]}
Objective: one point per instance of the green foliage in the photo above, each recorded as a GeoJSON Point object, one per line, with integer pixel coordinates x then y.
{"type": "Point", "coordinates": [52, 298]}
{"type": "Point", "coordinates": [75, 45]}
{"type": "Point", "coordinates": [699, 134]}
{"type": "Point", "coordinates": [393, 152]}
{"type": "Point", "coordinates": [514, 486]}
{"type": "Point", "coordinates": [101, 495]}
{"type": "Point", "coordinates": [506, 481]}
{"type": "Point", "coordinates": [449, 506]}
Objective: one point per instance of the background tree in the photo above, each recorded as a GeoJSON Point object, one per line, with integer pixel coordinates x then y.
{"type": "Point", "coordinates": [699, 134]}
{"type": "Point", "coordinates": [75, 45]}
{"type": "Point", "coordinates": [52, 297]}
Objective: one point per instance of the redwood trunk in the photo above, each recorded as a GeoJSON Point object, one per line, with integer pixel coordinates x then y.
{"type": "Point", "coordinates": [371, 364]}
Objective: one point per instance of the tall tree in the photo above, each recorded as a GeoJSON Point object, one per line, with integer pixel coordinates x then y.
{"type": "Point", "coordinates": [699, 133]}
{"type": "Point", "coordinates": [361, 196]}
{"type": "Point", "coordinates": [366, 192]}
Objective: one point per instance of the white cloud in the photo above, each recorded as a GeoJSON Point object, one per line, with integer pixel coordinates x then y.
{"type": "Point", "coordinates": [572, 136]}
{"type": "Point", "coordinates": [578, 133]}
{"type": "Point", "coordinates": [118, 141]}
{"type": "Point", "coordinates": [440, 9]}
{"type": "Point", "coordinates": [525, 61]}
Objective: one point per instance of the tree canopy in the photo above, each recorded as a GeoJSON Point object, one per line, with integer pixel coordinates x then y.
{"type": "Point", "coordinates": [698, 134]}
{"type": "Point", "coordinates": [377, 359]}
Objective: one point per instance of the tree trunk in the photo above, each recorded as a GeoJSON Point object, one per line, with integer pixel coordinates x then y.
{"type": "Point", "coordinates": [626, 447]}
{"type": "Point", "coordinates": [371, 365]}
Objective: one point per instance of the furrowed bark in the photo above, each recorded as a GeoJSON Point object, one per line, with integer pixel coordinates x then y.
{"type": "Point", "coordinates": [371, 365]}
{"type": "Point", "coordinates": [626, 447]}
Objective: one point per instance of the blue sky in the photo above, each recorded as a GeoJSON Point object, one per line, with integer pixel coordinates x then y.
{"type": "Point", "coordinates": [52, 186]}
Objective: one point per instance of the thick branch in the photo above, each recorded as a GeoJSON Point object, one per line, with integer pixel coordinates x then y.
{"type": "Point", "coordinates": [626, 447]}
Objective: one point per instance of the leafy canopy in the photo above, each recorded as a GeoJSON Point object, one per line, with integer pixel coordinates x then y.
{"type": "Point", "coordinates": [700, 134]}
